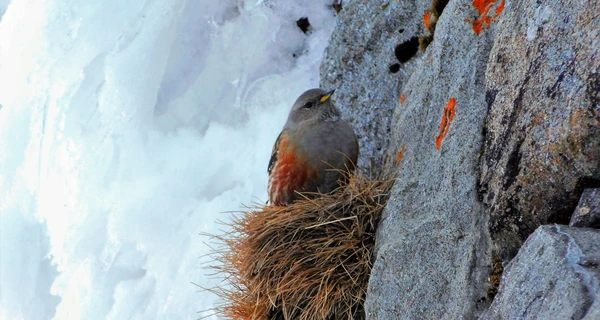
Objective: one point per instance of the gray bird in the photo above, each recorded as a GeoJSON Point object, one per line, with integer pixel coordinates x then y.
{"type": "Point", "coordinates": [315, 151]}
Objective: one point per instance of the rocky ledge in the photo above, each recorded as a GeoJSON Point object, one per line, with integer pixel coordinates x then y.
{"type": "Point", "coordinates": [489, 113]}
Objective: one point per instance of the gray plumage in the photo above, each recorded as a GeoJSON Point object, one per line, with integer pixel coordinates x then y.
{"type": "Point", "coordinates": [320, 135]}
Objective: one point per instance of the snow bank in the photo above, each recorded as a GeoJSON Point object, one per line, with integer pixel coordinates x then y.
{"type": "Point", "coordinates": [128, 129]}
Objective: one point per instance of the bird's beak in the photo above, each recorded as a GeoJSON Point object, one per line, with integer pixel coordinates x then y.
{"type": "Point", "coordinates": [326, 95]}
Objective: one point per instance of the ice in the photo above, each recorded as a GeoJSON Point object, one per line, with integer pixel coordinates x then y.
{"type": "Point", "coordinates": [127, 129]}
{"type": "Point", "coordinates": [3, 5]}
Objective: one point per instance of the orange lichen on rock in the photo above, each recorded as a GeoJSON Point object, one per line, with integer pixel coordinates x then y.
{"type": "Point", "coordinates": [400, 154]}
{"type": "Point", "coordinates": [485, 19]}
{"type": "Point", "coordinates": [427, 19]}
{"type": "Point", "coordinates": [447, 118]}
{"type": "Point", "coordinates": [402, 98]}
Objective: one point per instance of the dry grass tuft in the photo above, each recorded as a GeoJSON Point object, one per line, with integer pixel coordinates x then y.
{"type": "Point", "coordinates": [310, 260]}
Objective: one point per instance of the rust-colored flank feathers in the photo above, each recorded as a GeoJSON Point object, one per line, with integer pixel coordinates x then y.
{"type": "Point", "coordinates": [290, 172]}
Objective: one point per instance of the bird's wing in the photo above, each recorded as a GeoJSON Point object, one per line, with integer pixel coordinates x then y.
{"type": "Point", "coordinates": [274, 153]}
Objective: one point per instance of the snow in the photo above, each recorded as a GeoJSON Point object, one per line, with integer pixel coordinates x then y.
{"type": "Point", "coordinates": [128, 129]}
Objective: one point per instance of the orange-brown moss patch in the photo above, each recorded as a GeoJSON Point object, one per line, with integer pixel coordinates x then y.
{"type": "Point", "coordinates": [400, 154]}
{"type": "Point", "coordinates": [485, 19]}
{"type": "Point", "coordinates": [427, 19]}
{"type": "Point", "coordinates": [447, 118]}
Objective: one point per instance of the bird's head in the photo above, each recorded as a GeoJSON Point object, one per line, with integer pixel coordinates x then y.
{"type": "Point", "coordinates": [313, 105]}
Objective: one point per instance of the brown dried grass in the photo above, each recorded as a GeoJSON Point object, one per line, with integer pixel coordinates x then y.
{"type": "Point", "coordinates": [309, 260]}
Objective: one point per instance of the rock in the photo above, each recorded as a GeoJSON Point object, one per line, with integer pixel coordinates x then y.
{"type": "Point", "coordinates": [359, 63]}
{"type": "Point", "coordinates": [555, 275]}
{"type": "Point", "coordinates": [587, 213]}
{"type": "Point", "coordinates": [593, 312]}
{"type": "Point", "coordinates": [432, 239]}
{"type": "Point", "coordinates": [493, 131]}
{"type": "Point", "coordinates": [303, 24]}
{"type": "Point", "coordinates": [543, 127]}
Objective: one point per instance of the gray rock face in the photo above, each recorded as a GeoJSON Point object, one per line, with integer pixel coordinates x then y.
{"type": "Point", "coordinates": [495, 130]}
{"type": "Point", "coordinates": [432, 239]}
{"type": "Point", "coordinates": [587, 213]}
{"type": "Point", "coordinates": [594, 311]}
{"type": "Point", "coordinates": [357, 62]}
{"type": "Point", "coordinates": [543, 128]}
{"type": "Point", "coordinates": [555, 275]}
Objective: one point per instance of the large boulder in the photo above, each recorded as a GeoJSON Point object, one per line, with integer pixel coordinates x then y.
{"type": "Point", "coordinates": [432, 239]}
{"type": "Point", "coordinates": [493, 131]}
{"type": "Point", "coordinates": [555, 275]}
{"type": "Point", "coordinates": [542, 145]}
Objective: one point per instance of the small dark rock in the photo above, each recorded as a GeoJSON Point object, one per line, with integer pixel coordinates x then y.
{"type": "Point", "coordinates": [587, 213]}
{"type": "Point", "coordinates": [394, 67]}
{"type": "Point", "coordinates": [303, 24]}
{"type": "Point", "coordinates": [337, 5]}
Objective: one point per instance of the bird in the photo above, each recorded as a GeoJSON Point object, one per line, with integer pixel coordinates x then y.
{"type": "Point", "coordinates": [315, 152]}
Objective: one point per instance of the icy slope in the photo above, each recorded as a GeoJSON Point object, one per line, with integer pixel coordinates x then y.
{"type": "Point", "coordinates": [127, 129]}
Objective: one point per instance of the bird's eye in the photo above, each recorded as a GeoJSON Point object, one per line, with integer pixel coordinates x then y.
{"type": "Point", "coordinates": [308, 105]}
